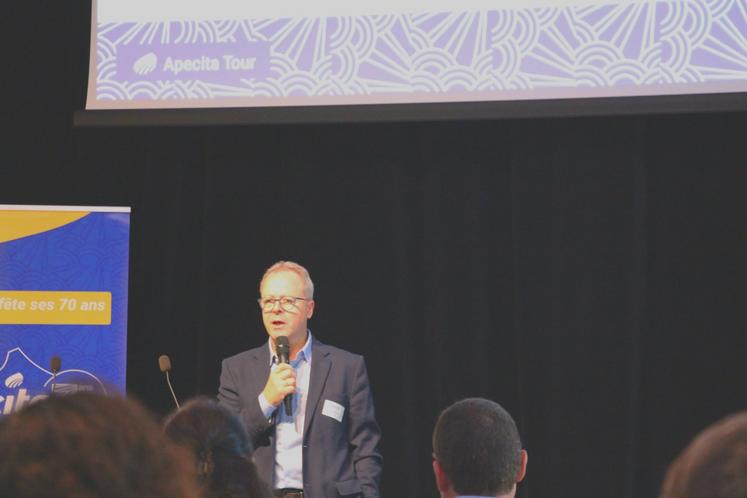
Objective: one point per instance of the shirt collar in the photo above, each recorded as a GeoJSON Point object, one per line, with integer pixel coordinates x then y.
{"type": "Point", "coordinates": [304, 354]}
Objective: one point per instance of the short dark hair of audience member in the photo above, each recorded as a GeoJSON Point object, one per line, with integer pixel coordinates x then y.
{"type": "Point", "coordinates": [477, 450]}
{"type": "Point", "coordinates": [714, 465]}
{"type": "Point", "coordinates": [87, 445]}
{"type": "Point", "coordinates": [220, 442]}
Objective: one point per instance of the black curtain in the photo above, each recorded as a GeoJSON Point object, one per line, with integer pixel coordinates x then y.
{"type": "Point", "coordinates": [586, 273]}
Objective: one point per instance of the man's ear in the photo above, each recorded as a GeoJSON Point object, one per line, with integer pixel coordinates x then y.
{"type": "Point", "coordinates": [442, 480]}
{"type": "Point", "coordinates": [310, 309]}
{"type": "Point", "coordinates": [522, 466]}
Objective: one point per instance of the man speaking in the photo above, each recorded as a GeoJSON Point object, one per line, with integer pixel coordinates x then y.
{"type": "Point", "coordinates": [309, 410]}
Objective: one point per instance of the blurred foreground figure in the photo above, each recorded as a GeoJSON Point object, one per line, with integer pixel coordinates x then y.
{"type": "Point", "coordinates": [477, 451]}
{"type": "Point", "coordinates": [714, 465]}
{"type": "Point", "coordinates": [90, 446]}
{"type": "Point", "coordinates": [221, 446]}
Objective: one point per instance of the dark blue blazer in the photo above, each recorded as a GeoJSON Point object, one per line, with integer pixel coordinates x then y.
{"type": "Point", "coordinates": [339, 458]}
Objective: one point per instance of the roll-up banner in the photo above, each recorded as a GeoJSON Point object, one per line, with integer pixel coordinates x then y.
{"type": "Point", "coordinates": [63, 294]}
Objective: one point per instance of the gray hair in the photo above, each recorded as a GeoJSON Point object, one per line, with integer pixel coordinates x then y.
{"type": "Point", "coordinates": [295, 268]}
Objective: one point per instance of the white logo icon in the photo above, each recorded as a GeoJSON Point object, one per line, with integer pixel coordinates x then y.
{"type": "Point", "coordinates": [38, 382]}
{"type": "Point", "coordinates": [14, 380]}
{"type": "Point", "coordinates": [145, 64]}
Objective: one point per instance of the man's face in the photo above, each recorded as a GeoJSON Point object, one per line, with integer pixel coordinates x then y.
{"type": "Point", "coordinates": [279, 321]}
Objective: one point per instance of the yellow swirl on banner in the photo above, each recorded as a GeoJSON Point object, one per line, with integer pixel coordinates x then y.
{"type": "Point", "coordinates": [18, 224]}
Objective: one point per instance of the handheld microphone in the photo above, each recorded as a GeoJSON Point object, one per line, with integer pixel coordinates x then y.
{"type": "Point", "coordinates": [164, 363]}
{"type": "Point", "coordinates": [55, 364]}
{"type": "Point", "coordinates": [282, 348]}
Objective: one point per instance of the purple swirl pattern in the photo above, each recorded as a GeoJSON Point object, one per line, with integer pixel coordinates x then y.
{"type": "Point", "coordinates": [429, 56]}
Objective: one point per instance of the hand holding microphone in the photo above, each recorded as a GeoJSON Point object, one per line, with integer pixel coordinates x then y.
{"type": "Point", "coordinates": [281, 384]}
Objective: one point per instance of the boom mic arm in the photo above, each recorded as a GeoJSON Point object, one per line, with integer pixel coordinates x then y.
{"type": "Point", "coordinates": [55, 365]}
{"type": "Point", "coordinates": [164, 363]}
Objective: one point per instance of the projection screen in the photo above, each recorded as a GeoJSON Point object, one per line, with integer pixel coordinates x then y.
{"type": "Point", "coordinates": [160, 54]}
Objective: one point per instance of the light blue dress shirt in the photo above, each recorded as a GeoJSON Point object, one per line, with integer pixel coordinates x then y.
{"type": "Point", "coordinates": [289, 428]}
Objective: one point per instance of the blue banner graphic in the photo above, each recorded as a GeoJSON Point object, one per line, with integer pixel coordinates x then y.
{"type": "Point", "coordinates": [63, 293]}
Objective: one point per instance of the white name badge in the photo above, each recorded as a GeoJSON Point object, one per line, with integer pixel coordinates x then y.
{"type": "Point", "coordinates": [333, 410]}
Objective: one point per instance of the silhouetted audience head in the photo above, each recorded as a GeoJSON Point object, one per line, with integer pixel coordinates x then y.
{"type": "Point", "coordinates": [221, 445]}
{"type": "Point", "coordinates": [477, 450]}
{"type": "Point", "coordinates": [90, 446]}
{"type": "Point", "coordinates": [714, 465]}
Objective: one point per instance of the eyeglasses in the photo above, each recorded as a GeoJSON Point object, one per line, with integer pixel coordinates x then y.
{"type": "Point", "coordinates": [288, 303]}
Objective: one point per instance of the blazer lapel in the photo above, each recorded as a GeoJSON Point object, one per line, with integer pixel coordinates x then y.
{"type": "Point", "coordinates": [260, 368]}
{"type": "Point", "coordinates": [320, 365]}
{"type": "Point", "coordinates": [257, 373]}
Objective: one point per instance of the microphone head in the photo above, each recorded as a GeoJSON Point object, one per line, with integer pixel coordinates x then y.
{"type": "Point", "coordinates": [164, 363]}
{"type": "Point", "coordinates": [55, 364]}
{"type": "Point", "coordinates": [282, 348]}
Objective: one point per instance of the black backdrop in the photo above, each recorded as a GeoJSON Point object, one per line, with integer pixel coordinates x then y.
{"type": "Point", "coordinates": [586, 273]}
